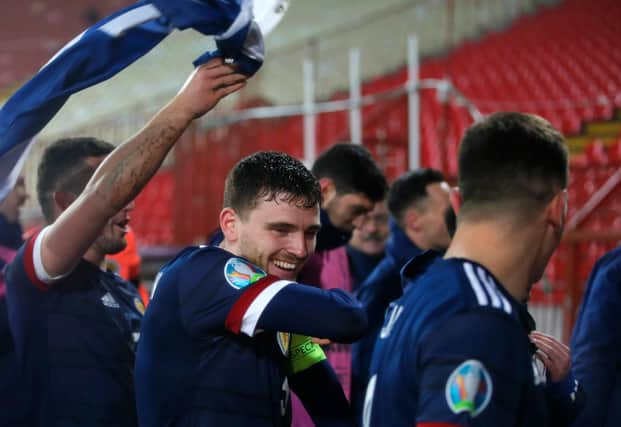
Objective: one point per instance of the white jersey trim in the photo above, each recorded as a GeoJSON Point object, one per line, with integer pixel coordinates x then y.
{"type": "Point", "coordinates": [130, 19]}
{"type": "Point", "coordinates": [490, 287]}
{"type": "Point", "coordinates": [475, 285]}
{"type": "Point", "coordinates": [39, 269]}
{"type": "Point", "coordinates": [485, 289]}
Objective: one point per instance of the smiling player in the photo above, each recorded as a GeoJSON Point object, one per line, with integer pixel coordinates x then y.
{"type": "Point", "coordinates": [75, 326]}
{"type": "Point", "coordinates": [217, 345]}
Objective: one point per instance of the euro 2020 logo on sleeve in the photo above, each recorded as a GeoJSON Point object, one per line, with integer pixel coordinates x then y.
{"type": "Point", "coordinates": [239, 273]}
{"type": "Point", "coordinates": [469, 388]}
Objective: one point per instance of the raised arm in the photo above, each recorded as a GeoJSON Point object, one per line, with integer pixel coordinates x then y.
{"type": "Point", "coordinates": [122, 175]}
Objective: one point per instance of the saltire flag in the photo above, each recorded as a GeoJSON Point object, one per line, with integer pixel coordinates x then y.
{"type": "Point", "coordinates": [109, 46]}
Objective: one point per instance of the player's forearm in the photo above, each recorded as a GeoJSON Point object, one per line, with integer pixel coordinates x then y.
{"type": "Point", "coordinates": [322, 395]}
{"type": "Point", "coordinates": [116, 182]}
{"type": "Point", "coordinates": [305, 310]}
{"type": "Point", "coordinates": [126, 171]}
{"type": "Point", "coordinates": [128, 168]}
{"type": "Point", "coordinates": [122, 175]}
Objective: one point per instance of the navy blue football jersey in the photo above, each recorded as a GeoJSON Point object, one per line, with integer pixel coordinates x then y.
{"type": "Point", "coordinates": [75, 340]}
{"type": "Point", "coordinates": [596, 344]}
{"type": "Point", "coordinates": [454, 351]}
{"type": "Point", "coordinates": [216, 348]}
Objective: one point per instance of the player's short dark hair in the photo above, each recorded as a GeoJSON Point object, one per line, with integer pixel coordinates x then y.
{"type": "Point", "coordinates": [410, 190]}
{"type": "Point", "coordinates": [353, 170]}
{"type": "Point", "coordinates": [63, 168]}
{"type": "Point", "coordinates": [270, 175]}
{"type": "Point", "coordinates": [514, 159]}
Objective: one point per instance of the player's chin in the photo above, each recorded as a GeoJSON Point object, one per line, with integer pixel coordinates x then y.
{"type": "Point", "coordinates": [114, 246]}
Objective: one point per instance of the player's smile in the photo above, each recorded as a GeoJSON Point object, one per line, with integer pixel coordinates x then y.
{"type": "Point", "coordinates": [286, 267]}
{"type": "Point", "coordinates": [283, 265]}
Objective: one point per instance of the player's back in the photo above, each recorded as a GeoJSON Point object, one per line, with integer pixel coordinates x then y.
{"type": "Point", "coordinates": [438, 293]}
{"type": "Point", "coordinates": [190, 369]}
{"type": "Point", "coordinates": [395, 349]}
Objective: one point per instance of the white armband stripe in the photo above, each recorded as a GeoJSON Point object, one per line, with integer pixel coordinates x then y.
{"type": "Point", "coordinates": [254, 311]}
{"type": "Point", "coordinates": [39, 269]}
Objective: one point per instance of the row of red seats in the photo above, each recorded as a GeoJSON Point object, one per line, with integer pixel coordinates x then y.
{"type": "Point", "coordinates": [152, 219]}
{"type": "Point", "coordinates": [597, 154]}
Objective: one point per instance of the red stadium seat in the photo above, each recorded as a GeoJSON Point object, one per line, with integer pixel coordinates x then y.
{"type": "Point", "coordinates": [596, 153]}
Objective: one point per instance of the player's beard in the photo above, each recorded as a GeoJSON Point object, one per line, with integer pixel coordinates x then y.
{"type": "Point", "coordinates": [249, 250]}
{"type": "Point", "coordinates": [110, 245]}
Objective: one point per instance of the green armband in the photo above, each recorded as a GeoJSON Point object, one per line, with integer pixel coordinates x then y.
{"type": "Point", "coordinates": [303, 353]}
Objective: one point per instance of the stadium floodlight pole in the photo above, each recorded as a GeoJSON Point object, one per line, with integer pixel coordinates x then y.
{"type": "Point", "coordinates": [355, 115]}
{"type": "Point", "coordinates": [413, 104]}
{"type": "Point", "coordinates": [310, 150]}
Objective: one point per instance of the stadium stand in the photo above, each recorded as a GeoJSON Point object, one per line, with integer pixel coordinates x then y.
{"type": "Point", "coordinates": [559, 63]}
{"type": "Point", "coordinates": [24, 49]}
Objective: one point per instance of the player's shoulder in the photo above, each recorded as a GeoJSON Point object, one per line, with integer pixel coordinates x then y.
{"type": "Point", "coordinates": [118, 282]}
{"type": "Point", "coordinates": [456, 282]}
{"type": "Point", "coordinates": [194, 264]}
{"type": "Point", "coordinates": [196, 257]}
{"type": "Point", "coordinates": [602, 288]}
{"type": "Point", "coordinates": [609, 264]}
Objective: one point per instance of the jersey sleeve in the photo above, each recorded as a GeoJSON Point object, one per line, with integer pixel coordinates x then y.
{"type": "Point", "coordinates": [217, 289]}
{"type": "Point", "coordinates": [565, 400]}
{"type": "Point", "coordinates": [26, 296]}
{"type": "Point", "coordinates": [29, 260]}
{"type": "Point", "coordinates": [472, 371]}
{"type": "Point", "coordinates": [322, 395]}
{"type": "Point", "coordinates": [306, 310]}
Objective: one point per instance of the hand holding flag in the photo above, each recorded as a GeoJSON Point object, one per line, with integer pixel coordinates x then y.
{"type": "Point", "coordinates": [109, 46]}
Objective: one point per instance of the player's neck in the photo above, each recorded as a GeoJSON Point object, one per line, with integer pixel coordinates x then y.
{"type": "Point", "coordinates": [227, 246]}
{"type": "Point", "coordinates": [94, 256]}
{"type": "Point", "coordinates": [505, 251]}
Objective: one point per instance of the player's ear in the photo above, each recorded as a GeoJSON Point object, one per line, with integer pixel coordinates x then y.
{"type": "Point", "coordinates": [556, 210]}
{"type": "Point", "coordinates": [62, 200]}
{"type": "Point", "coordinates": [328, 190]}
{"type": "Point", "coordinates": [411, 219]}
{"type": "Point", "coordinates": [455, 199]}
{"type": "Point", "coordinates": [228, 224]}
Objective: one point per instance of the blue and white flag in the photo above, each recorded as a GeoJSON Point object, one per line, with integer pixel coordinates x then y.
{"type": "Point", "coordinates": [108, 47]}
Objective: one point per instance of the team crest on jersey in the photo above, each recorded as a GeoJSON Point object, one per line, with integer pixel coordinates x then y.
{"type": "Point", "coordinates": [240, 273]}
{"type": "Point", "coordinates": [469, 388]}
{"type": "Point", "coordinates": [139, 305]}
{"type": "Point", "coordinates": [283, 339]}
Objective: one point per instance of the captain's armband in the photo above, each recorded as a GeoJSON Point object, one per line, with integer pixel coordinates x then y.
{"type": "Point", "coordinates": [303, 353]}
